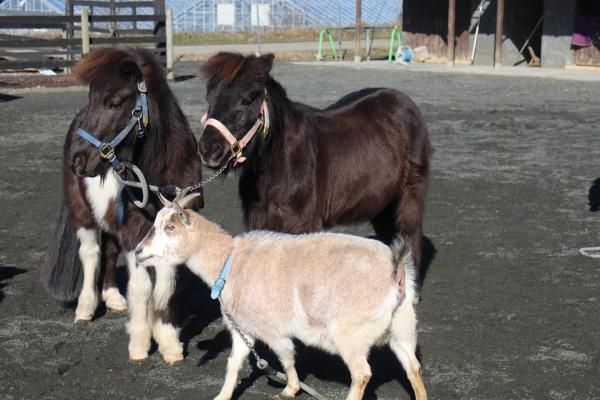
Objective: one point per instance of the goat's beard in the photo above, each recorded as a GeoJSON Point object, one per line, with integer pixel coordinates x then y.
{"type": "Point", "coordinates": [164, 286]}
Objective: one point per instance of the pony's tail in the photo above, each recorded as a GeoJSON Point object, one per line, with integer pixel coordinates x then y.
{"type": "Point", "coordinates": [405, 268]}
{"type": "Point", "coordinates": [61, 274]}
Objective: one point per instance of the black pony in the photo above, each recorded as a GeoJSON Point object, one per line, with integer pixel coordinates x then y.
{"type": "Point", "coordinates": [131, 116]}
{"type": "Point", "coordinates": [365, 157]}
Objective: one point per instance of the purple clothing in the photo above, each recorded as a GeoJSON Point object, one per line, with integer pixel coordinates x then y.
{"type": "Point", "coordinates": [587, 29]}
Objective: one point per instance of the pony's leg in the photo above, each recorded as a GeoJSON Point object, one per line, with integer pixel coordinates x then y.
{"type": "Point", "coordinates": [164, 330]}
{"type": "Point", "coordinates": [409, 222]}
{"type": "Point", "coordinates": [403, 342]}
{"type": "Point", "coordinates": [284, 349]}
{"type": "Point", "coordinates": [110, 293]}
{"type": "Point", "coordinates": [139, 293]}
{"type": "Point", "coordinates": [404, 218]}
{"type": "Point", "coordinates": [167, 336]}
{"type": "Point", "coordinates": [239, 352]}
{"type": "Point", "coordinates": [89, 253]}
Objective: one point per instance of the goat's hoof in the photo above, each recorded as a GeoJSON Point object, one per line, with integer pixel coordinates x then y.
{"type": "Point", "coordinates": [138, 356]}
{"type": "Point", "coordinates": [172, 358]}
{"type": "Point", "coordinates": [289, 392]}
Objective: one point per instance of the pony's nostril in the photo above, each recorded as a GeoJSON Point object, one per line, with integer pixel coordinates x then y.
{"type": "Point", "coordinates": [78, 165]}
{"type": "Point", "coordinates": [217, 150]}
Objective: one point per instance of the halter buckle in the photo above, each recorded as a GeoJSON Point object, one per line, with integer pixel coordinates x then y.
{"type": "Point", "coordinates": [106, 152]}
{"type": "Point", "coordinates": [141, 86]}
{"type": "Point", "coordinates": [236, 147]}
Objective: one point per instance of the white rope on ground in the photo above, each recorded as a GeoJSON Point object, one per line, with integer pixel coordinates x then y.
{"type": "Point", "coordinates": [593, 252]}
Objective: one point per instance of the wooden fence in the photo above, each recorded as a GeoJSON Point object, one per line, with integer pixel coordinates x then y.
{"type": "Point", "coordinates": [22, 51]}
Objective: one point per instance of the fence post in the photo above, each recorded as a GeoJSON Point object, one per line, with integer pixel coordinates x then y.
{"type": "Point", "coordinates": [396, 34]}
{"type": "Point", "coordinates": [169, 33]}
{"type": "Point", "coordinates": [85, 31]}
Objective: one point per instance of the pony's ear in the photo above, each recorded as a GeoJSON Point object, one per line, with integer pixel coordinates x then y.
{"type": "Point", "coordinates": [129, 68]}
{"type": "Point", "coordinates": [267, 60]}
{"type": "Point", "coordinates": [263, 66]}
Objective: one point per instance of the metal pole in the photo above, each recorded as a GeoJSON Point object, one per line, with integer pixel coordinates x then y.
{"type": "Point", "coordinates": [499, 34]}
{"type": "Point", "coordinates": [258, 49]}
{"type": "Point", "coordinates": [85, 31]}
{"type": "Point", "coordinates": [357, 55]}
{"type": "Point", "coordinates": [451, 31]}
{"type": "Point", "coordinates": [169, 34]}
{"type": "Point", "coordinates": [477, 31]}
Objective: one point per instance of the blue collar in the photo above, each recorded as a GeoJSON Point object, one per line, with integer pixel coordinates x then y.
{"type": "Point", "coordinates": [139, 116]}
{"type": "Point", "coordinates": [220, 282]}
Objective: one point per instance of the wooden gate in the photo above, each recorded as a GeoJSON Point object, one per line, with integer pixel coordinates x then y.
{"type": "Point", "coordinates": [111, 22]}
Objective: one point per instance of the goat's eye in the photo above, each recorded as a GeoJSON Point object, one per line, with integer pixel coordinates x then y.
{"type": "Point", "coordinates": [169, 227]}
{"type": "Point", "coordinates": [115, 106]}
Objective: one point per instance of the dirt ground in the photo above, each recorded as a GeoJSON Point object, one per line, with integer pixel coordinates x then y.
{"type": "Point", "coordinates": [509, 308]}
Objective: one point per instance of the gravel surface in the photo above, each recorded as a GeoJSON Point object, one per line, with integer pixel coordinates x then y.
{"type": "Point", "coordinates": [509, 309]}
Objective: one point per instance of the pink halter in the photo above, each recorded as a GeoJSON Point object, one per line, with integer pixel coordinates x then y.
{"type": "Point", "coordinates": [238, 145]}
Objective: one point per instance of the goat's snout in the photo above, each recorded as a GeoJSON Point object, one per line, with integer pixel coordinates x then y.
{"type": "Point", "coordinates": [140, 257]}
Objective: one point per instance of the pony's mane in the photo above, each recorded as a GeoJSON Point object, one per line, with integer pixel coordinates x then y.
{"type": "Point", "coordinates": [223, 67]}
{"type": "Point", "coordinates": [98, 63]}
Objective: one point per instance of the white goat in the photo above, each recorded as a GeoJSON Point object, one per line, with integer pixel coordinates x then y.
{"type": "Point", "coordinates": [338, 292]}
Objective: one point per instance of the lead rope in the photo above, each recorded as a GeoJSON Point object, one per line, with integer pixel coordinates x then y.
{"type": "Point", "coordinates": [262, 364]}
{"type": "Point", "coordinates": [143, 185]}
{"type": "Point", "coordinates": [593, 252]}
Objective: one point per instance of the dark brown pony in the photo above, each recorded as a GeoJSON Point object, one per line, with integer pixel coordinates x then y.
{"type": "Point", "coordinates": [98, 219]}
{"type": "Point", "coordinates": [365, 157]}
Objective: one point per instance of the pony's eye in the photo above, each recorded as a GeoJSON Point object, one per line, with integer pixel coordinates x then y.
{"type": "Point", "coordinates": [250, 99]}
{"type": "Point", "coordinates": [115, 106]}
{"type": "Point", "coordinates": [169, 227]}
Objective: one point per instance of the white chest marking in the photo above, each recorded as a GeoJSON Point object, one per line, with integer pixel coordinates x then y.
{"type": "Point", "coordinates": [100, 194]}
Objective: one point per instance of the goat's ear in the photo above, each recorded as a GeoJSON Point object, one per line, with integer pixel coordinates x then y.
{"type": "Point", "coordinates": [187, 199]}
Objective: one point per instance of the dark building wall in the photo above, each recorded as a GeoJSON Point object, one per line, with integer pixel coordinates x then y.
{"type": "Point", "coordinates": [425, 23]}
{"type": "Point", "coordinates": [520, 19]}
{"type": "Point", "coordinates": [559, 20]}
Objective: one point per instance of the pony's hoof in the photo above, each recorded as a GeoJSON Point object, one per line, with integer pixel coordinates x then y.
{"type": "Point", "coordinates": [172, 358]}
{"type": "Point", "coordinates": [138, 356]}
{"type": "Point", "coordinates": [83, 318]}
{"type": "Point", "coordinates": [114, 301]}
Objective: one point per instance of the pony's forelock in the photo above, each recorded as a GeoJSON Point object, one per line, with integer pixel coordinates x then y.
{"type": "Point", "coordinates": [223, 67]}
{"type": "Point", "coordinates": [92, 64]}
{"type": "Point", "coordinates": [95, 64]}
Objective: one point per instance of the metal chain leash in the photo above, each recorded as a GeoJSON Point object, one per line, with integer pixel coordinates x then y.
{"type": "Point", "coordinates": [211, 178]}
{"type": "Point", "coordinates": [263, 364]}
{"type": "Point", "coordinates": [143, 185]}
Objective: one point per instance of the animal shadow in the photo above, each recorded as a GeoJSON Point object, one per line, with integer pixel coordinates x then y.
{"type": "Point", "coordinates": [183, 78]}
{"type": "Point", "coordinates": [196, 310]}
{"type": "Point", "coordinates": [594, 196]}
{"type": "Point", "coordinates": [7, 97]}
{"type": "Point", "coordinates": [8, 272]}
{"type": "Point", "coordinates": [385, 368]}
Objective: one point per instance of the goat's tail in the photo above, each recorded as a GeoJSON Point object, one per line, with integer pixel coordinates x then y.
{"type": "Point", "coordinates": [61, 273]}
{"type": "Point", "coordinates": [405, 268]}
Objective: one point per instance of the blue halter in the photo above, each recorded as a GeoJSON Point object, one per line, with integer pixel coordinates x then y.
{"type": "Point", "coordinates": [139, 117]}
{"type": "Point", "coordinates": [220, 282]}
